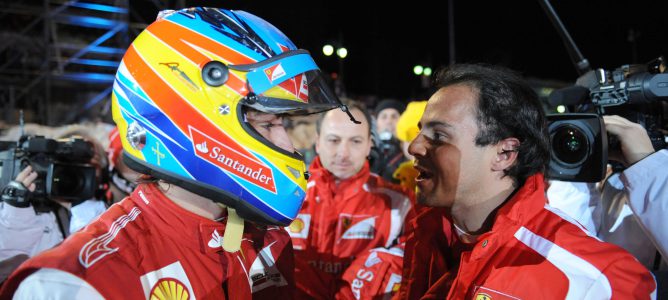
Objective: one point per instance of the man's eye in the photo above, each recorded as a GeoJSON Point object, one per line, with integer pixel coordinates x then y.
{"type": "Point", "coordinates": [438, 136]}
{"type": "Point", "coordinates": [267, 125]}
{"type": "Point", "coordinates": [435, 136]}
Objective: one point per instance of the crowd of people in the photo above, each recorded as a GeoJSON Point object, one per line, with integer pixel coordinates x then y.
{"type": "Point", "coordinates": [234, 172]}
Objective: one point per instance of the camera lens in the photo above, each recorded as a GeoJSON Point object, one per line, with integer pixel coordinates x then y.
{"type": "Point", "coordinates": [67, 181]}
{"type": "Point", "coordinates": [570, 144]}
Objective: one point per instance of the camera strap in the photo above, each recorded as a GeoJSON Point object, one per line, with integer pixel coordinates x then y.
{"type": "Point", "coordinates": [16, 194]}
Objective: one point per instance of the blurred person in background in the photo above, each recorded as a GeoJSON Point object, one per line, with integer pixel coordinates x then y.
{"type": "Point", "coordinates": [122, 179]}
{"type": "Point", "coordinates": [302, 132]}
{"type": "Point", "coordinates": [200, 115]}
{"type": "Point", "coordinates": [388, 151]}
{"type": "Point", "coordinates": [83, 212]}
{"type": "Point", "coordinates": [347, 211]}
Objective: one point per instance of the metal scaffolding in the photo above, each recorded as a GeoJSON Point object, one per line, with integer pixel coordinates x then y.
{"type": "Point", "coordinates": [58, 58]}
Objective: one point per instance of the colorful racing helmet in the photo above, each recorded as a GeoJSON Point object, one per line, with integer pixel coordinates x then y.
{"type": "Point", "coordinates": [179, 99]}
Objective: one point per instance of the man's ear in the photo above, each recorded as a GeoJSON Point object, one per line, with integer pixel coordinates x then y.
{"type": "Point", "coordinates": [317, 143]}
{"type": "Point", "coordinates": [506, 154]}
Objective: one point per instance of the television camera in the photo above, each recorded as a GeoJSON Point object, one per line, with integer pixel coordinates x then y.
{"type": "Point", "coordinates": [63, 168]}
{"type": "Point", "coordinates": [579, 140]}
{"type": "Point", "coordinates": [579, 143]}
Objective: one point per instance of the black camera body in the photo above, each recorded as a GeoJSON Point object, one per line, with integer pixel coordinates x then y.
{"type": "Point", "coordinates": [63, 167]}
{"type": "Point", "coordinates": [580, 142]}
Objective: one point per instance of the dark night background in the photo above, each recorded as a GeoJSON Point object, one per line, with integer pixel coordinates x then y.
{"type": "Point", "coordinates": [42, 72]}
{"type": "Point", "coordinates": [387, 40]}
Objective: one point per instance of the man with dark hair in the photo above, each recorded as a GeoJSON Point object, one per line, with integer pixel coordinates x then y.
{"type": "Point", "coordinates": [481, 151]}
{"type": "Point", "coordinates": [347, 211]}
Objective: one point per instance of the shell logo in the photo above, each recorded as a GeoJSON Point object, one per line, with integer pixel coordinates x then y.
{"type": "Point", "coordinates": [169, 289]}
{"type": "Point", "coordinates": [482, 296]}
{"type": "Point", "coordinates": [297, 226]}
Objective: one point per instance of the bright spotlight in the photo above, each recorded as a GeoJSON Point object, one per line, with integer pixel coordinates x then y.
{"type": "Point", "coordinates": [561, 109]}
{"type": "Point", "coordinates": [418, 69]}
{"type": "Point", "coordinates": [427, 71]}
{"type": "Point", "coordinates": [327, 50]}
{"type": "Point", "coordinates": [342, 52]}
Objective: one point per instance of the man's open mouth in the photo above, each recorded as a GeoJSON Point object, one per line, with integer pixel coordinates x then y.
{"type": "Point", "coordinates": [423, 173]}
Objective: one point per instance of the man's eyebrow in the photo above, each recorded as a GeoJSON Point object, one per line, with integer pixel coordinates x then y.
{"type": "Point", "coordinates": [432, 124]}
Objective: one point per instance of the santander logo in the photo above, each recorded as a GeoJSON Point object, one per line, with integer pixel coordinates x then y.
{"type": "Point", "coordinates": [232, 160]}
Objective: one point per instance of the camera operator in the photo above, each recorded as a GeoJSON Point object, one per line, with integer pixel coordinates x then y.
{"type": "Point", "coordinates": [23, 231]}
{"type": "Point", "coordinates": [84, 211]}
{"type": "Point", "coordinates": [28, 228]}
{"type": "Point", "coordinates": [629, 208]}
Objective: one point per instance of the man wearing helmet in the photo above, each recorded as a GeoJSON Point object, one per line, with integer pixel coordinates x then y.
{"type": "Point", "coordinates": [198, 100]}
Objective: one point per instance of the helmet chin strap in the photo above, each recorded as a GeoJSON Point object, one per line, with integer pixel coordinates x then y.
{"type": "Point", "coordinates": [345, 109]}
{"type": "Point", "coordinates": [234, 230]}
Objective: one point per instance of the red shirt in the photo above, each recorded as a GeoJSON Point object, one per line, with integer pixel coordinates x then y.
{"type": "Point", "coordinates": [146, 244]}
{"type": "Point", "coordinates": [338, 222]}
{"type": "Point", "coordinates": [375, 274]}
{"type": "Point", "coordinates": [533, 251]}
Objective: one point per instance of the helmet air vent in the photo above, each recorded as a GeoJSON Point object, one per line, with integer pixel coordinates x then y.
{"type": "Point", "coordinates": [215, 73]}
{"type": "Point", "coordinates": [136, 136]}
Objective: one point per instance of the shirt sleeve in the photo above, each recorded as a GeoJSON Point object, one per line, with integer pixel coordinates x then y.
{"type": "Point", "coordinates": [22, 231]}
{"type": "Point", "coordinates": [55, 284]}
{"type": "Point", "coordinates": [84, 213]}
{"type": "Point", "coordinates": [625, 278]}
{"type": "Point", "coordinates": [579, 200]}
{"type": "Point", "coordinates": [647, 185]}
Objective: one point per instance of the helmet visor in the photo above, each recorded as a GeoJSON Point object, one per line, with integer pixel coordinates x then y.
{"type": "Point", "coordinates": [289, 83]}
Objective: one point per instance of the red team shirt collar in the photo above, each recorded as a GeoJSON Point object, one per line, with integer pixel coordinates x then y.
{"type": "Point", "coordinates": [527, 202]}
{"type": "Point", "coordinates": [159, 209]}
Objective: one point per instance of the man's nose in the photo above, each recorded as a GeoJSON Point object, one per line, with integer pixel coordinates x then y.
{"type": "Point", "coordinates": [417, 146]}
{"type": "Point", "coordinates": [343, 150]}
{"type": "Point", "coordinates": [281, 139]}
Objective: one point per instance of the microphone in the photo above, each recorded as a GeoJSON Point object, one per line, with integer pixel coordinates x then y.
{"type": "Point", "coordinates": [571, 95]}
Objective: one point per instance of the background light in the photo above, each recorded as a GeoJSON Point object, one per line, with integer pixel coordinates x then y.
{"type": "Point", "coordinates": [327, 50]}
{"type": "Point", "coordinates": [342, 52]}
{"type": "Point", "coordinates": [418, 69]}
{"type": "Point", "coordinates": [427, 71]}
{"type": "Point", "coordinates": [561, 109]}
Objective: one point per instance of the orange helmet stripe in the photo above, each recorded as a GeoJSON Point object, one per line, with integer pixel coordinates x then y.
{"type": "Point", "coordinates": [164, 96]}
{"type": "Point", "coordinates": [177, 37]}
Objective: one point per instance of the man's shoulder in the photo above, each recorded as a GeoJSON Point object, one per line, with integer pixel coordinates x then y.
{"type": "Point", "coordinates": [86, 254]}
{"type": "Point", "coordinates": [112, 233]}
{"type": "Point", "coordinates": [553, 229]}
{"type": "Point", "coordinates": [588, 264]}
